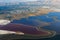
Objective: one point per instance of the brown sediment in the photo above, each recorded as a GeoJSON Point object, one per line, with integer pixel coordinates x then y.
{"type": "Point", "coordinates": [18, 16]}
{"type": "Point", "coordinates": [2, 16]}
{"type": "Point", "coordinates": [43, 11]}
{"type": "Point", "coordinates": [40, 11]}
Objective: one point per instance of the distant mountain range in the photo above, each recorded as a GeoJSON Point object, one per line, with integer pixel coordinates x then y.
{"type": "Point", "coordinates": [24, 5]}
{"type": "Point", "coordinates": [20, 5]}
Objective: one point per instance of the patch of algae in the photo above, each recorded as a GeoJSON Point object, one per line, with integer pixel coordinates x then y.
{"type": "Point", "coordinates": [29, 36]}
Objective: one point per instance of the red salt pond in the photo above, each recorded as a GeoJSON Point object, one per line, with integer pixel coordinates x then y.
{"type": "Point", "coordinates": [24, 28]}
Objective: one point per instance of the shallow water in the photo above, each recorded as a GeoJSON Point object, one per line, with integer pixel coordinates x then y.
{"type": "Point", "coordinates": [48, 18]}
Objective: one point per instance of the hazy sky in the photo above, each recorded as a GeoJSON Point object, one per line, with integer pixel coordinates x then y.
{"type": "Point", "coordinates": [16, 0]}
{"type": "Point", "coordinates": [23, 0]}
{"type": "Point", "coordinates": [56, 2]}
